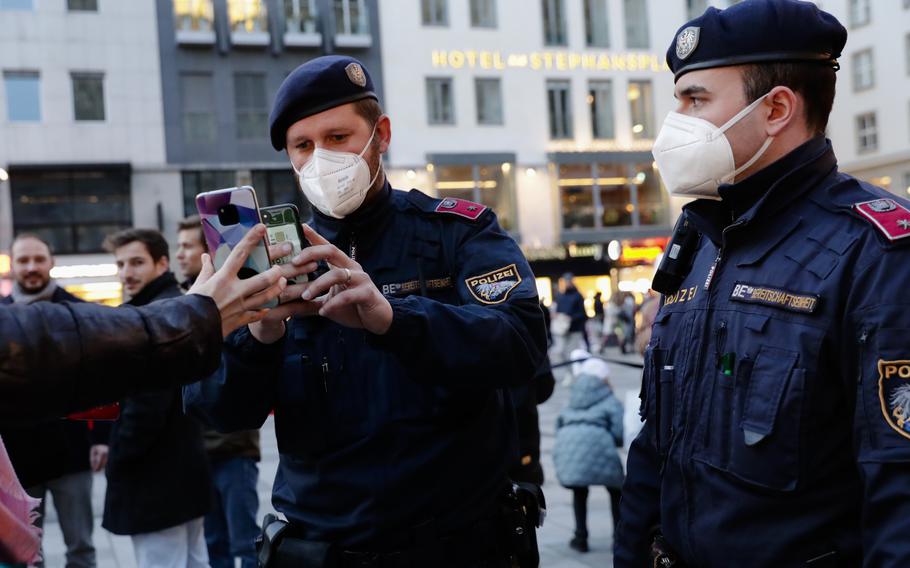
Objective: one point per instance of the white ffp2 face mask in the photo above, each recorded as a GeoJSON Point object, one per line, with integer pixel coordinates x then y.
{"type": "Point", "coordinates": [336, 183]}
{"type": "Point", "coordinates": [694, 157]}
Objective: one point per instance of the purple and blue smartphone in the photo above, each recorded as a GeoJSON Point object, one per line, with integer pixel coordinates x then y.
{"type": "Point", "coordinates": [227, 215]}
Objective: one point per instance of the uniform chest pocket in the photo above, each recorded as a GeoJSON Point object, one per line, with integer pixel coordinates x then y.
{"type": "Point", "coordinates": [753, 421]}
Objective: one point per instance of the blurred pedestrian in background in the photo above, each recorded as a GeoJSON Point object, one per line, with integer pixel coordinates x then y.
{"type": "Point", "coordinates": [158, 481]}
{"type": "Point", "coordinates": [595, 325]}
{"type": "Point", "coordinates": [52, 456]}
{"type": "Point", "coordinates": [568, 325]}
{"type": "Point", "coordinates": [230, 526]}
{"type": "Point", "coordinates": [589, 432]}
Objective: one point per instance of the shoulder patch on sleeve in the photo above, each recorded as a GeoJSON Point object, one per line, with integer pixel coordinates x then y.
{"type": "Point", "coordinates": [894, 394]}
{"type": "Point", "coordinates": [461, 207]}
{"type": "Point", "coordinates": [494, 287]}
{"type": "Point", "coordinates": [890, 217]}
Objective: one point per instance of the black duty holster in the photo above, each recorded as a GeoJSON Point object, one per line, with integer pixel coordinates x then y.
{"type": "Point", "coordinates": [524, 511]}
{"type": "Point", "coordinates": [274, 550]}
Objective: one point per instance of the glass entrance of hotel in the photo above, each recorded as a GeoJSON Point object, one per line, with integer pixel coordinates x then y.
{"type": "Point", "coordinates": [484, 179]}
{"type": "Point", "coordinates": [603, 192]}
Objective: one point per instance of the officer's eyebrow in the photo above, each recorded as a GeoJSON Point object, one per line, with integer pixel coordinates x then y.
{"type": "Point", "coordinates": [691, 90]}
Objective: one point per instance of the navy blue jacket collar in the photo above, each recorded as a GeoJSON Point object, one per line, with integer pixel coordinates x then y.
{"type": "Point", "coordinates": [759, 197]}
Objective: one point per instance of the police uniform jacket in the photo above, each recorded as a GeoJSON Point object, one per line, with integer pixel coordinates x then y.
{"type": "Point", "coordinates": [776, 381]}
{"type": "Point", "coordinates": [382, 438]}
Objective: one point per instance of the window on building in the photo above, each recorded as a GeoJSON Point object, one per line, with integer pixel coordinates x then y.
{"type": "Point", "coordinates": [863, 70]}
{"type": "Point", "coordinates": [247, 16]}
{"type": "Point", "coordinates": [489, 101]}
{"type": "Point", "coordinates": [559, 103]}
{"type": "Point", "coordinates": [279, 186]}
{"type": "Point", "coordinates": [197, 181]}
{"type": "Point", "coordinates": [196, 96]}
{"type": "Point", "coordinates": [488, 184]}
{"type": "Point", "coordinates": [483, 13]}
{"type": "Point", "coordinates": [860, 12]}
{"type": "Point", "coordinates": [434, 12]}
{"type": "Point", "coordinates": [251, 105]}
{"type": "Point", "coordinates": [23, 96]}
{"type": "Point", "coordinates": [603, 195]}
{"type": "Point", "coordinates": [73, 210]}
{"type": "Point", "coordinates": [82, 5]}
{"type": "Point", "coordinates": [641, 109]}
{"type": "Point", "coordinates": [636, 14]}
{"type": "Point", "coordinates": [300, 16]}
{"type": "Point", "coordinates": [16, 5]}
{"type": "Point", "coordinates": [193, 15]}
{"type": "Point", "coordinates": [597, 27]}
{"type": "Point", "coordinates": [600, 100]}
{"type": "Point", "coordinates": [554, 22]}
{"type": "Point", "coordinates": [695, 8]}
{"type": "Point", "coordinates": [351, 17]}
{"type": "Point", "coordinates": [440, 105]}
{"type": "Point", "coordinates": [866, 133]}
{"type": "Point", "coordinates": [88, 96]}
{"type": "Point", "coordinates": [907, 52]}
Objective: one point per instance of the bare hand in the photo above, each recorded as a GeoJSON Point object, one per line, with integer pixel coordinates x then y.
{"type": "Point", "coordinates": [350, 296]}
{"type": "Point", "coordinates": [97, 457]}
{"type": "Point", "coordinates": [239, 301]}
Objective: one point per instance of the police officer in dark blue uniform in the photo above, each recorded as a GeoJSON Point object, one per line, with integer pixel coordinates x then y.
{"type": "Point", "coordinates": [777, 381]}
{"type": "Point", "coordinates": [388, 381]}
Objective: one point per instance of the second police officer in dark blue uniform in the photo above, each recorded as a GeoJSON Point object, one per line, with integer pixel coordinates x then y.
{"type": "Point", "coordinates": [394, 427]}
{"type": "Point", "coordinates": [777, 383]}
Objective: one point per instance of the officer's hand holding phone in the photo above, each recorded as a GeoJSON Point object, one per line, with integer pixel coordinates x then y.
{"type": "Point", "coordinates": [239, 300]}
{"type": "Point", "coordinates": [346, 293]}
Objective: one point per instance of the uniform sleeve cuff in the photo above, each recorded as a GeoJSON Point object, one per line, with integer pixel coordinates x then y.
{"type": "Point", "coordinates": [403, 312]}
{"type": "Point", "coordinates": [245, 345]}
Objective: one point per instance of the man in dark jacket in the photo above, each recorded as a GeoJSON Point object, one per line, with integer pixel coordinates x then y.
{"type": "Point", "coordinates": [158, 479]}
{"type": "Point", "coordinates": [230, 527]}
{"type": "Point", "coordinates": [52, 456]}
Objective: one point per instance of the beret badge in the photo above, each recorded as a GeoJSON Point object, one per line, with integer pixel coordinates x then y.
{"type": "Point", "coordinates": [356, 74]}
{"type": "Point", "coordinates": [687, 41]}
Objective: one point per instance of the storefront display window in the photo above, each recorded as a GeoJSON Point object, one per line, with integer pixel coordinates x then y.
{"type": "Point", "coordinates": [488, 184]}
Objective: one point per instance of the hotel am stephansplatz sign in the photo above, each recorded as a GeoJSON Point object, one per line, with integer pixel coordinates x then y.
{"type": "Point", "coordinates": [547, 60]}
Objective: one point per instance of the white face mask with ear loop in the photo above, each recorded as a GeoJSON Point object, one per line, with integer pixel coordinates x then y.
{"type": "Point", "coordinates": [694, 157]}
{"type": "Point", "coordinates": [336, 183]}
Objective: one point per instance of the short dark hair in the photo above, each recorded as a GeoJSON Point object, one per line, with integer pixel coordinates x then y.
{"type": "Point", "coordinates": [153, 240]}
{"type": "Point", "coordinates": [369, 109]}
{"type": "Point", "coordinates": [812, 81]}
{"type": "Point", "coordinates": [191, 222]}
{"type": "Point", "coordinates": [23, 236]}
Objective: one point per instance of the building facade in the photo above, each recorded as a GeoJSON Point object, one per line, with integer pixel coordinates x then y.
{"type": "Point", "coordinates": [545, 110]}
{"type": "Point", "coordinates": [870, 122]}
{"type": "Point", "coordinates": [116, 114]}
{"type": "Point", "coordinates": [81, 129]}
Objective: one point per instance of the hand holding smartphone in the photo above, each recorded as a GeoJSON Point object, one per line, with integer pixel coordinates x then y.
{"type": "Point", "coordinates": [282, 222]}
{"type": "Point", "coordinates": [227, 215]}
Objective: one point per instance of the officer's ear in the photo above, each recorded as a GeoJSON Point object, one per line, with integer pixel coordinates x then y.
{"type": "Point", "coordinates": [784, 109]}
{"type": "Point", "coordinates": [384, 133]}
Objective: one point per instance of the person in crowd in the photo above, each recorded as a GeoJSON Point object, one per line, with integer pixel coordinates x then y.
{"type": "Point", "coordinates": [595, 326]}
{"type": "Point", "coordinates": [627, 321]}
{"type": "Point", "coordinates": [60, 358]}
{"type": "Point", "coordinates": [53, 456]}
{"type": "Point", "coordinates": [776, 374]}
{"type": "Point", "coordinates": [388, 382]}
{"type": "Point", "coordinates": [191, 246]}
{"type": "Point", "coordinates": [158, 481]}
{"type": "Point", "coordinates": [589, 431]}
{"type": "Point", "coordinates": [647, 312]}
{"type": "Point", "coordinates": [569, 322]}
{"type": "Point", "coordinates": [230, 526]}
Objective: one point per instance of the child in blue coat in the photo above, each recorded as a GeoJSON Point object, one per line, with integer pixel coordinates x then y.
{"type": "Point", "coordinates": [589, 432]}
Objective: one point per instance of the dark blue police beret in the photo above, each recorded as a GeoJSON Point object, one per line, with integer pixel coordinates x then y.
{"type": "Point", "coordinates": [757, 31]}
{"type": "Point", "coordinates": [317, 85]}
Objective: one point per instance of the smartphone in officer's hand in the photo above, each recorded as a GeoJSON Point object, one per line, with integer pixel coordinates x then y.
{"type": "Point", "coordinates": [227, 215]}
{"type": "Point", "coordinates": [283, 225]}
